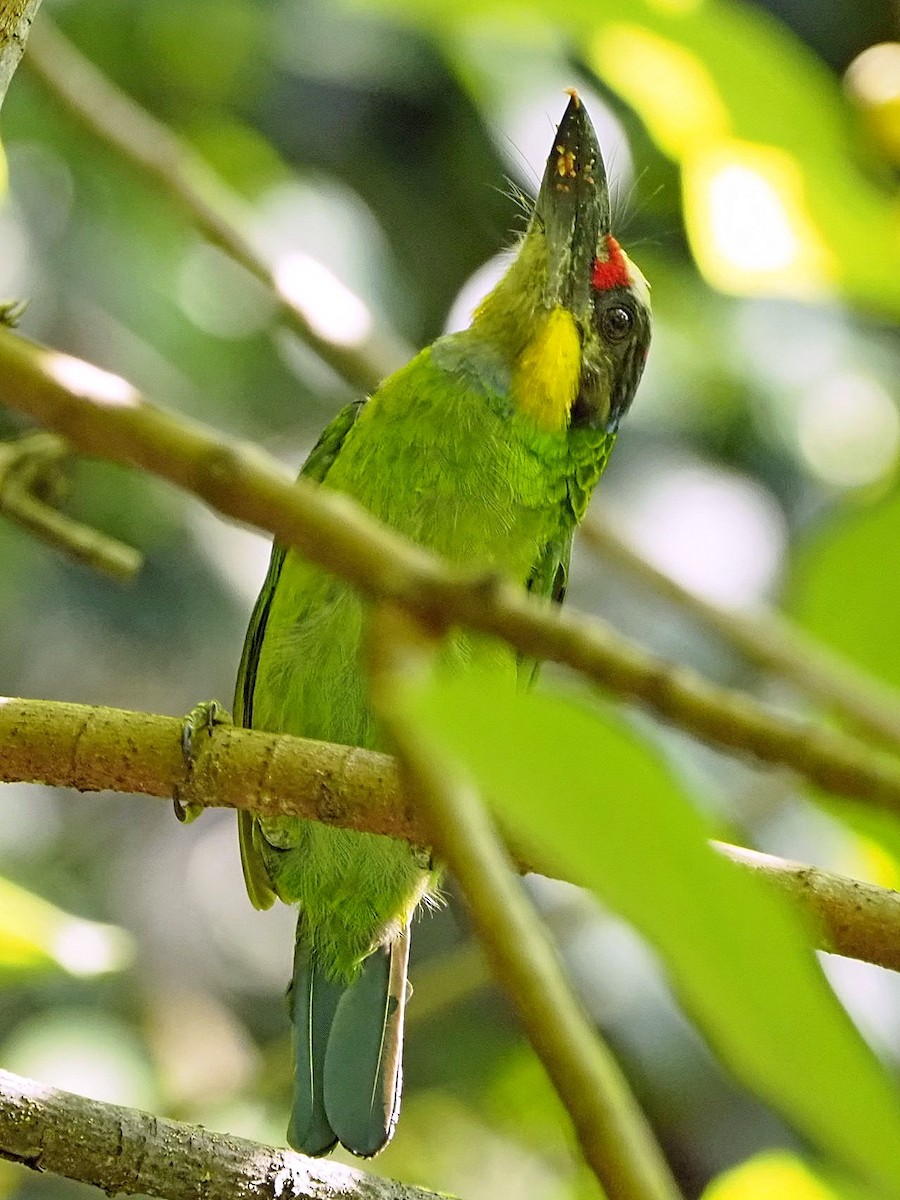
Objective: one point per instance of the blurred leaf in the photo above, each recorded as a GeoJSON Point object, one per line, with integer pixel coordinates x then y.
{"type": "Point", "coordinates": [872, 81]}
{"type": "Point", "coordinates": [832, 592]}
{"type": "Point", "coordinates": [584, 790]}
{"type": "Point", "coordinates": [778, 1177]}
{"type": "Point", "coordinates": [83, 1050]}
{"type": "Point", "coordinates": [873, 853]}
{"type": "Point", "coordinates": [772, 205]}
{"type": "Point", "coordinates": [775, 200]}
{"type": "Point", "coordinates": [209, 47]}
{"type": "Point", "coordinates": [36, 936]}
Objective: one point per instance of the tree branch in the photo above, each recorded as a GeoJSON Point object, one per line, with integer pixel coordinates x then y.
{"type": "Point", "coordinates": [613, 1133]}
{"type": "Point", "coordinates": [173, 166]}
{"type": "Point", "coordinates": [123, 1150]}
{"type": "Point", "coordinates": [102, 415]}
{"type": "Point", "coordinates": [107, 749]}
{"type": "Point", "coordinates": [15, 22]}
{"type": "Point", "coordinates": [856, 919]}
{"type": "Point", "coordinates": [769, 640]}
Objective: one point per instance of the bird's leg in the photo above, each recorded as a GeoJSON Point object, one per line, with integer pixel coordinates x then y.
{"type": "Point", "coordinates": [204, 716]}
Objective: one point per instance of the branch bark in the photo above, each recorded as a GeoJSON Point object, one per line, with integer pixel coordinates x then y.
{"type": "Point", "coordinates": [107, 749]}
{"type": "Point", "coordinates": [104, 416]}
{"type": "Point", "coordinates": [15, 23]}
{"type": "Point", "coordinates": [123, 1150]}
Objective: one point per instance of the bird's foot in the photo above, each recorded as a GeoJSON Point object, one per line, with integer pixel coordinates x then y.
{"type": "Point", "coordinates": [11, 312]}
{"type": "Point", "coordinates": [203, 717]}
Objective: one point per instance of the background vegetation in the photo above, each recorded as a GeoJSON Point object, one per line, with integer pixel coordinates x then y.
{"type": "Point", "coordinates": [381, 149]}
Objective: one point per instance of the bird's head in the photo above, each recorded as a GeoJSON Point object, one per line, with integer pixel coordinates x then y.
{"type": "Point", "coordinates": [572, 313]}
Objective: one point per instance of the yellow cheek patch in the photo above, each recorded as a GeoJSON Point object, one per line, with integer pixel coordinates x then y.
{"type": "Point", "coordinates": [548, 373]}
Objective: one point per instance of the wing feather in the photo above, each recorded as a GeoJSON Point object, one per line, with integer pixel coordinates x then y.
{"type": "Point", "coordinates": [316, 467]}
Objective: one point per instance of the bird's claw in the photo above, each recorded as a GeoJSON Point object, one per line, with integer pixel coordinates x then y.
{"type": "Point", "coordinates": [11, 312]}
{"type": "Point", "coordinates": [204, 716]}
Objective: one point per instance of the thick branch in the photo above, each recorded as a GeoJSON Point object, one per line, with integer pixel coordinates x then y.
{"type": "Point", "coordinates": [856, 919]}
{"type": "Point", "coordinates": [107, 749]}
{"type": "Point", "coordinates": [102, 415]}
{"type": "Point", "coordinates": [174, 167]}
{"type": "Point", "coordinates": [122, 1150]}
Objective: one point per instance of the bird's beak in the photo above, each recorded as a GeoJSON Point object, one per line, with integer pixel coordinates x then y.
{"type": "Point", "coordinates": [573, 209]}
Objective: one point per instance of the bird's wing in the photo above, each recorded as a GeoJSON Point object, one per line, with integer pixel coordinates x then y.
{"type": "Point", "coordinates": [549, 577]}
{"type": "Point", "coordinates": [316, 467]}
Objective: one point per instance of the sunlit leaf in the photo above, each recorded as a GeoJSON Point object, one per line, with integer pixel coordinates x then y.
{"type": "Point", "coordinates": [873, 79]}
{"type": "Point", "coordinates": [583, 792]}
{"type": "Point", "coordinates": [714, 82]}
{"type": "Point", "coordinates": [779, 1176]}
{"type": "Point", "coordinates": [37, 936]}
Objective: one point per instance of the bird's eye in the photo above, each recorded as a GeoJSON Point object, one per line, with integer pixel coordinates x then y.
{"type": "Point", "coordinates": [616, 322]}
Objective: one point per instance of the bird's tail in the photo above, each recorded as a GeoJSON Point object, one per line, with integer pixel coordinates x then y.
{"type": "Point", "coordinates": [348, 1050]}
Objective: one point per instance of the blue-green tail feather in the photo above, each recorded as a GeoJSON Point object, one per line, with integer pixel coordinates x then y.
{"type": "Point", "coordinates": [313, 1000]}
{"type": "Point", "coordinates": [364, 1059]}
{"type": "Point", "coordinates": [348, 1048]}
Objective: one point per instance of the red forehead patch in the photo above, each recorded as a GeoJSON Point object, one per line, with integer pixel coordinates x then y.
{"type": "Point", "coordinates": [614, 271]}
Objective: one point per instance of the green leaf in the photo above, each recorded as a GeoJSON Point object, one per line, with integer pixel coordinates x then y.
{"type": "Point", "coordinates": [582, 791]}
{"type": "Point", "coordinates": [844, 588]}
{"type": "Point", "coordinates": [780, 1176]}
{"type": "Point", "coordinates": [773, 206]}
{"type": "Point", "coordinates": [37, 936]}
{"type": "Point", "coordinates": [834, 593]}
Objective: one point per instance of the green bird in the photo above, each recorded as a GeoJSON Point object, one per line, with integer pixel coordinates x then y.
{"type": "Point", "coordinates": [484, 448]}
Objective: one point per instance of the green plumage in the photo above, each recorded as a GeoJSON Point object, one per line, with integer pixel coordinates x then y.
{"type": "Point", "coordinates": [445, 453]}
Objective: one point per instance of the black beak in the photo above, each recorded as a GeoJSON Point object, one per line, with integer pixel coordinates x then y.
{"type": "Point", "coordinates": [573, 208]}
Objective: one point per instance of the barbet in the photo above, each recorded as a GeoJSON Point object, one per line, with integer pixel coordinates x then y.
{"type": "Point", "coordinates": [484, 448]}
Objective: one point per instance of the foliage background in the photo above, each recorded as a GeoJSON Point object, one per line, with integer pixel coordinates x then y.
{"type": "Point", "coordinates": [759, 463]}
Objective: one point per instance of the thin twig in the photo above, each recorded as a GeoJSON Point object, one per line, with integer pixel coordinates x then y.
{"type": "Point", "coordinates": [101, 414]}
{"type": "Point", "coordinates": [123, 1150]}
{"type": "Point", "coordinates": [614, 1135]}
{"type": "Point", "coordinates": [30, 474]}
{"type": "Point", "coordinates": [769, 640]}
{"type": "Point", "coordinates": [180, 173]}
{"type": "Point", "coordinates": [108, 749]}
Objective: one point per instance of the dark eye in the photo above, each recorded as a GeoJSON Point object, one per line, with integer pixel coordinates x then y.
{"type": "Point", "coordinates": [616, 323]}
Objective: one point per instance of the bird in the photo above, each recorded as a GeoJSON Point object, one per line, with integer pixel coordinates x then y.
{"type": "Point", "coordinates": [484, 448]}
